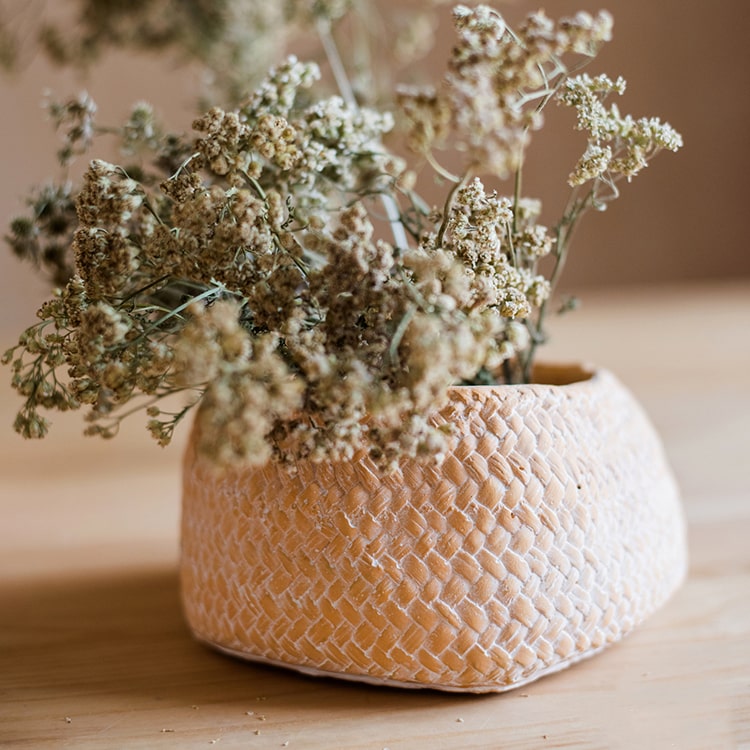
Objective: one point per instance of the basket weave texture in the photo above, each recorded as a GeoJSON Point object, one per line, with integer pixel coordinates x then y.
{"type": "Point", "coordinates": [549, 531]}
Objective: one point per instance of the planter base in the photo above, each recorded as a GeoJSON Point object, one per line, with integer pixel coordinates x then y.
{"type": "Point", "coordinates": [402, 684]}
{"type": "Point", "coordinates": [552, 528]}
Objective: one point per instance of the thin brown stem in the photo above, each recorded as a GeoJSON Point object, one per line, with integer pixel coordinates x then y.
{"type": "Point", "coordinates": [449, 201]}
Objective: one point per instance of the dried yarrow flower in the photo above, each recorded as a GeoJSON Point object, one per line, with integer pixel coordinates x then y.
{"type": "Point", "coordinates": [277, 268]}
{"type": "Point", "coordinates": [617, 145]}
{"type": "Point", "coordinates": [488, 101]}
{"type": "Point", "coordinates": [75, 118]}
{"type": "Point", "coordinates": [45, 236]}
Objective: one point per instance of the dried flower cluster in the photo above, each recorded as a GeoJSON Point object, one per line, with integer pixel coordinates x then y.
{"type": "Point", "coordinates": [279, 267]}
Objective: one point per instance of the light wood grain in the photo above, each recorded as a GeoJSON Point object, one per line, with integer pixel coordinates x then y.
{"type": "Point", "coordinates": [94, 652]}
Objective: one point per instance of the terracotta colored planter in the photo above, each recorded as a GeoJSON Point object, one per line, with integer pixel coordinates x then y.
{"type": "Point", "coordinates": [551, 530]}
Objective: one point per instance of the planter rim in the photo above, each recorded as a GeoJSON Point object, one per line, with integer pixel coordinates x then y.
{"type": "Point", "coordinates": [548, 376]}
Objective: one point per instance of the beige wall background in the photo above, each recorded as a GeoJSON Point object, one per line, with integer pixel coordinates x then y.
{"type": "Point", "coordinates": [682, 219]}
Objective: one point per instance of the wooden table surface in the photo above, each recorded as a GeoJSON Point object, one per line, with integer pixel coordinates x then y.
{"type": "Point", "coordinates": [94, 652]}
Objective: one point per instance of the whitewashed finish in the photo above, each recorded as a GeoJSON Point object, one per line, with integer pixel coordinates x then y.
{"type": "Point", "coordinates": [552, 529]}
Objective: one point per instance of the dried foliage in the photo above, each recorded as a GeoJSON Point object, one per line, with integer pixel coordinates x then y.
{"type": "Point", "coordinates": [279, 267]}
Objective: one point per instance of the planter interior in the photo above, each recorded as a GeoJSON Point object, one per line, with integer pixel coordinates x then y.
{"type": "Point", "coordinates": [550, 530]}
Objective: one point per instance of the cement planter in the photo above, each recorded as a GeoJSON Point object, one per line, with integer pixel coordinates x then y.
{"type": "Point", "coordinates": [552, 528]}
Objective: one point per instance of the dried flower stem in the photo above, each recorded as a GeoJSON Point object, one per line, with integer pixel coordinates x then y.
{"type": "Point", "coordinates": [335, 62]}
{"type": "Point", "coordinates": [450, 200]}
{"type": "Point", "coordinates": [347, 92]}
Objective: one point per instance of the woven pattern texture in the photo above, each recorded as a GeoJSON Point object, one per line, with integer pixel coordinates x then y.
{"type": "Point", "coordinates": [551, 529]}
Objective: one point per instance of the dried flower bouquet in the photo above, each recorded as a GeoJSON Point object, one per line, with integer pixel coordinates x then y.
{"type": "Point", "coordinates": [280, 269]}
